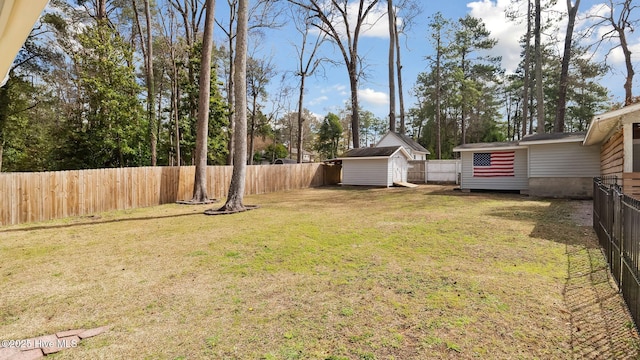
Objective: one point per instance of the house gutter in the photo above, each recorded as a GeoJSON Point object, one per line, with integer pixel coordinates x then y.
{"type": "Point", "coordinates": [17, 18]}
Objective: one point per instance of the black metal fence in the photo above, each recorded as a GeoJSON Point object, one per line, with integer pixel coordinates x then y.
{"type": "Point", "coordinates": [616, 220]}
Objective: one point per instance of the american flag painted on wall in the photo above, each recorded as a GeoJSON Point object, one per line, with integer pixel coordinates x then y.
{"type": "Point", "coordinates": [493, 164]}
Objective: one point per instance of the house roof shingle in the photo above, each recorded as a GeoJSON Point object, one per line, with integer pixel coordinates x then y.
{"type": "Point", "coordinates": [574, 136]}
{"type": "Point", "coordinates": [412, 143]}
{"type": "Point", "coordinates": [384, 151]}
{"type": "Point", "coordinates": [492, 145]}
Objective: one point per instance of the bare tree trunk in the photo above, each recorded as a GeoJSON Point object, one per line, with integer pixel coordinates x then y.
{"type": "Point", "coordinates": [204, 97]}
{"type": "Point", "coordinates": [230, 85]}
{"type": "Point", "coordinates": [1, 152]}
{"type": "Point", "coordinates": [175, 95]}
{"type": "Point", "coordinates": [159, 109]}
{"type": "Point", "coordinates": [463, 122]}
{"type": "Point", "coordinates": [236, 188]}
{"type": "Point", "coordinates": [392, 87]}
{"type": "Point", "coordinates": [527, 72]}
{"type": "Point", "coordinates": [399, 70]}
{"type": "Point", "coordinates": [300, 119]}
{"type": "Point", "coordinates": [252, 127]}
{"type": "Point", "coordinates": [619, 27]}
{"type": "Point", "coordinates": [147, 54]}
{"type": "Point", "coordinates": [188, 12]}
{"type": "Point", "coordinates": [564, 72]}
{"type": "Point", "coordinates": [538, 59]}
{"type": "Point", "coordinates": [438, 98]}
{"type": "Point", "coordinates": [355, 113]}
{"type": "Point", "coordinates": [628, 84]}
{"type": "Point", "coordinates": [101, 10]}
{"type": "Point", "coordinates": [151, 87]}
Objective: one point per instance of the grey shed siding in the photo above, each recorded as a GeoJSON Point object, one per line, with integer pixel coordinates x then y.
{"type": "Point", "coordinates": [373, 172]}
{"type": "Point", "coordinates": [564, 160]}
{"type": "Point", "coordinates": [519, 181]}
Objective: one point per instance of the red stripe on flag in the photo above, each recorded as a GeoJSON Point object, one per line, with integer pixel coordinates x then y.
{"type": "Point", "coordinates": [494, 164]}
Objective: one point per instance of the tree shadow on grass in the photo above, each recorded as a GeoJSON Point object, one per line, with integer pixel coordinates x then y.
{"type": "Point", "coordinates": [96, 220]}
{"type": "Point", "coordinates": [191, 202]}
{"type": "Point", "coordinates": [230, 212]}
{"type": "Point", "coordinates": [601, 326]}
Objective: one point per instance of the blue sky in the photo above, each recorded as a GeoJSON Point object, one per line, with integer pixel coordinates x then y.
{"type": "Point", "coordinates": [329, 92]}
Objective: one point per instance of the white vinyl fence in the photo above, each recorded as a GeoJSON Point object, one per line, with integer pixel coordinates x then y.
{"type": "Point", "coordinates": [443, 171]}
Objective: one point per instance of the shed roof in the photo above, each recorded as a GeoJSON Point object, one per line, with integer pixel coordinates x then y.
{"type": "Point", "coordinates": [547, 138]}
{"type": "Point", "coordinates": [374, 152]}
{"type": "Point", "coordinates": [509, 145]}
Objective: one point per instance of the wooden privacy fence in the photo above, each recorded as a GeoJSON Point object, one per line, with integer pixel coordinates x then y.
{"type": "Point", "coordinates": [28, 197]}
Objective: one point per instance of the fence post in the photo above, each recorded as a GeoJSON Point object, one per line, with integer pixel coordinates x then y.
{"type": "Point", "coordinates": [619, 231]}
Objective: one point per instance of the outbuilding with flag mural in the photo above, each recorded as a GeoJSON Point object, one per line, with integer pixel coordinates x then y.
{"type": "Point", "coordinates": [493, 164]}
{"type": "Point", "coordinates": [550, 165]}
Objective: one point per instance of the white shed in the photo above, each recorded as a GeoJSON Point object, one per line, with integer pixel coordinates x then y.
{"type": "Point", "coordinates": [376, 166]}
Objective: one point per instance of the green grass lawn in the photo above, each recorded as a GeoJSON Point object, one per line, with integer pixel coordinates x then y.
{"type": "Point", "coordinates": [329, 273]}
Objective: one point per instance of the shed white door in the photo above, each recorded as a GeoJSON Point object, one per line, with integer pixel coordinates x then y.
{"type": "Point", "coordinates": [399, 166]}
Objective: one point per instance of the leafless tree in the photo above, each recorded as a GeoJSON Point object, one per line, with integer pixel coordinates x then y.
{"type": "Point", "coordinates": [538, 62]}
{"type": "Point", "coordinates": [409, 10]}
{"type": "Point", "coordinates": [265, 14]}
{"type": "Point", "coordinates": [308, 63]}
{"type": "Point", "coordinates": [527, 72]}
{"type": "Point", "coordinates": [392, 52]}
{"type": "Point", "coordinates": [169, 31]}
{"type": "Point", "coordinates": [259, 74]}
{"type": "Point", "coordinates": [572, 11]}
{"type": "Point", "coordinates": [618, 17]}
{"type": "Point", "coordinates": [191, 12]}
{"type": "Point", "coordinates": [330, 17]}
{"type": "Point", "coordinates": [147, 54]}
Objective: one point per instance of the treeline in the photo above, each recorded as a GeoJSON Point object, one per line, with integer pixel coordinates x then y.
{"type": "Point", "coordinates": [466, 97]}
{"type": "Point", "coordinates": [111, 83]}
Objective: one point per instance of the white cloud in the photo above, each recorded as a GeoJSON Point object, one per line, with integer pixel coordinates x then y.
{"type": "Point", "coordinates": [318, 100]}
{"type": "Point", "coordinates": [372, 97]}
{"type": "Point", "coordinates": [337, 89]}
{"type": "Point", "coordinates": [376, 23]}
{"type": "Point", "coordinates": [616, 57]}
{"type": "Point", "coordinates": [509, 32]}
{"type": "Point", "coordinates": [317, 116]}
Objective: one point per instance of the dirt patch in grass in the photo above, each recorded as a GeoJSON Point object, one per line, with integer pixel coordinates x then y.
{"type": "Point", "coordinates": [326, 273]}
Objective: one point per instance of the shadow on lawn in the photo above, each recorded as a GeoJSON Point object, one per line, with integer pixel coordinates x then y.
{"type": "Point", "coordinates": [601, 326]}
{"type": "Point", "coordinates": [96, 220]}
